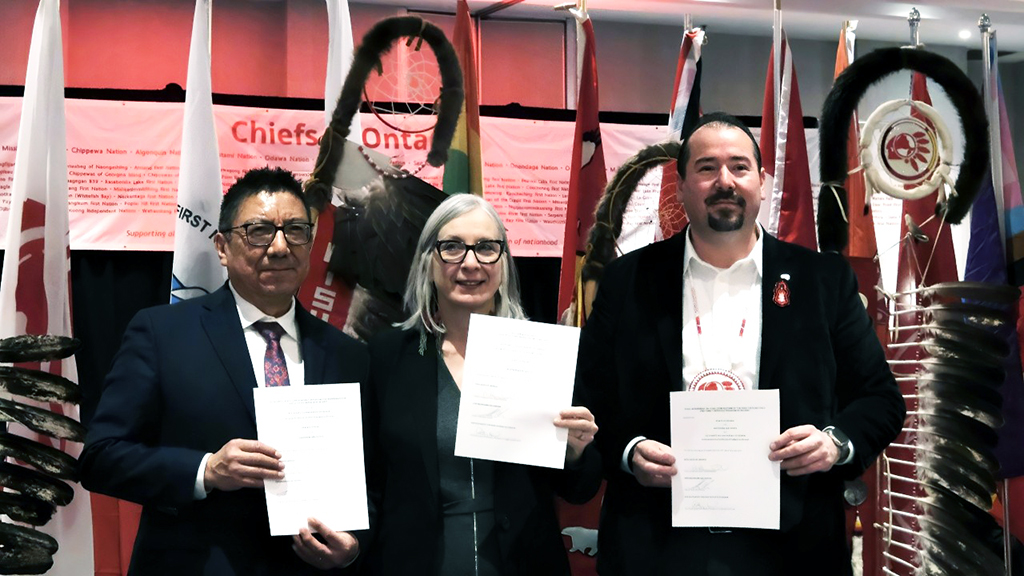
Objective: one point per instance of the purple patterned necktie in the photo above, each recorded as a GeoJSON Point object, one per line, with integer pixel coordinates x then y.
{"type": "Point", "coordinates": [274, 366]}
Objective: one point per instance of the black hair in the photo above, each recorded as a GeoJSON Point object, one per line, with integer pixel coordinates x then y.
{"type": "Point", "coordinates": [266, 179]}
{"type": "Point", "coordinates": [718, 120]}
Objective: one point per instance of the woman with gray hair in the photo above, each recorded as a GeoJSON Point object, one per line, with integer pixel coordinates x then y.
{"type": "Point", "coordinates": [433, 512]}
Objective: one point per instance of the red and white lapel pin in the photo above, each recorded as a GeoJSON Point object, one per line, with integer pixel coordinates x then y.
{"type": "Point", "coordinates": [781, 294]}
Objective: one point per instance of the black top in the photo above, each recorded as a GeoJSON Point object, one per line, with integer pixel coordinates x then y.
{"type": "Point", "coordinates": [468, 543]}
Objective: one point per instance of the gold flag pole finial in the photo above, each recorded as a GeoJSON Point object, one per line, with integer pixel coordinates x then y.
{"type": "Point", "coordinates": [914, 19]}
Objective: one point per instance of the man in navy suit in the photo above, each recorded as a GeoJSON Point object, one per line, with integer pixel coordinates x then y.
{"type": "Point", "coordinates": [175, 427]}
{"type": "Point", "coordinates": [724, 306]}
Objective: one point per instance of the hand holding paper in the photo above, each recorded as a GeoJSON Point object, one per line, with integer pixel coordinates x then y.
{"type": "Point", "coordinates": [242, 464]}
{"type": "Point", "coordinates": [804, 450]}
{"type": "Point", "coordinates": [579, 421]}
{"type": "Point", "coordinates": [517, 378]}
{"type": "Point", "coordinates": [336, 550]}
{"type": "Point", "coordinates": [318, 431]}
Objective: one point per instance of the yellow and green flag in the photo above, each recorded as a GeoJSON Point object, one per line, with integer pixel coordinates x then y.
{"type": "Point", "coordinates": [462, 172]}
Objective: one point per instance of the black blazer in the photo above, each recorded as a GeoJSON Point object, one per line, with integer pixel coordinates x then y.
{"type": "Point", "coordinates": [820, 352]}
{"type": "Point", "coordinates": [400, 416]}
{"type": "Point", "coordinates": [181, 386]}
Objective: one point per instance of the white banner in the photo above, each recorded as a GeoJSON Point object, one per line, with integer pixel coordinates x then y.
{"type": "Point", "coordinates": [123, 162]}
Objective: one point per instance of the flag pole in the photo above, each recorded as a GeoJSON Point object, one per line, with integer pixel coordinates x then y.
{"type": "Point", "coordinates": [995, 155]}
{"type": "Point", "coordinates": [777, 51]}
{"type": "Point", "coordinates": [914, 19]}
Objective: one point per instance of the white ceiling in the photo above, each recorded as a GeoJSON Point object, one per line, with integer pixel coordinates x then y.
{"type": "Point", "coordinates": [941, 20]}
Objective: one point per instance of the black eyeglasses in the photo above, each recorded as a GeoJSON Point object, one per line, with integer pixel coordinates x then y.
{"type": "Point", "coordinates": [263, 233]}
{"type": "Point", "coordinates": [454, 251]}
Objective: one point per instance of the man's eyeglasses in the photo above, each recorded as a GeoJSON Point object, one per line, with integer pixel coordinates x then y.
{"type": "Point", "coordinates": [454, 251]}
{"type": "Point", "coordinates": [263, 233]}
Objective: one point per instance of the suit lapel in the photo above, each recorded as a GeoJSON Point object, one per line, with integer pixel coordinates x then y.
{"type": "Point", "coordinates": [667, 283]}
{"type": "Point", "coordinates": [774, 318]}
{"type": "Point", "coordinates": [314, 356]}
{"type": "Point", "coordinates": [223, 328]}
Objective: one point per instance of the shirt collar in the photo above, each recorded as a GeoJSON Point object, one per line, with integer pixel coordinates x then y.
{"type": "Point", "coordinates": [756, 255]}
{"type": "Point", "coordinates": [249, 314]}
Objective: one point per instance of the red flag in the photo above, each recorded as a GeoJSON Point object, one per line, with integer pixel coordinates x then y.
{"type": "Point", "coordinates": [861, 253]}
{"type": "Point", "coordinates": [788, 209]}
{"type": "Point", "coordinates": [587, 175]}
{"type": "Point", "coordinates": [684, 114]}
{"type": "Point", "coordinates": [35, 289]}
{"type": "Point", "coordinates": [324, 295]}
{"type": "Point", "coordinates": [920, 263]}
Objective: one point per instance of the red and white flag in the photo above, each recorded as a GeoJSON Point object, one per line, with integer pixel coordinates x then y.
{"type": "Point", "coordinates": [684, 114]}
{"type": "Point", "coordinates": [919, 264]}
{"type": "Point", "coordinates": [587, 175]}
{"type": "Point", "coordinates": [788, 209]}
{"type": "Point", "coordinates": [35, 289]}
{"type": "Point", "coordinates": [860, 253]}
{"type": "Point", "coordinates": [325, 296]}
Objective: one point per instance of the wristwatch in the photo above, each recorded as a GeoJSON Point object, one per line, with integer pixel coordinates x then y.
{"type": "Point", "coordinates": [842, 442]}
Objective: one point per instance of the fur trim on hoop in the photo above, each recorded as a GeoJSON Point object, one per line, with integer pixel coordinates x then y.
{"type": "Point", "coordinates": [849, 87]}
{"type": "Point", "coordinates": [367, 58]}
{"type": "Point", "coordinates": [601, 242]}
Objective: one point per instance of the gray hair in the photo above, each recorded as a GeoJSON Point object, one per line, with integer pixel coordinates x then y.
{"type": "Point", "coordinates": [420, 292]}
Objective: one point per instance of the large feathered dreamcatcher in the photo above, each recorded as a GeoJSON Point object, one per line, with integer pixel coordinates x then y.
{"type": "Point", "coordinates": [377, 225]}
{"type": "Point", "coordinates": [938, 477]}
{"type": "Point", "coordinates": [35, 475]}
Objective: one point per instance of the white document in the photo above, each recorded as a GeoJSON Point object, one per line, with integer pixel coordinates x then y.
{"type": "Point", "coordinates": [318, 431]}
{"type": "Point", "coordinates": [720, 441]}
{"type": "Point", "coordinates": [518, 376]}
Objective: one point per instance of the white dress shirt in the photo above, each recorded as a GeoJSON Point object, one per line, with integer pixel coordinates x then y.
{"type": "Point", "coordinates": [249, 314]}
{"type": "Point", "coordinates": [726, 299]}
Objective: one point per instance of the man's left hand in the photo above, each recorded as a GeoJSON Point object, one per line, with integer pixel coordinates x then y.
{"type": "Point", "coordinates": [804, 450]}
{"type": "Point", "coordinates": [337, 550]}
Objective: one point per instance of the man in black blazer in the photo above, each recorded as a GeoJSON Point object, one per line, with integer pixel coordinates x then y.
{"type": "Point", "coordinates": [175, 427]}
{"type": "Point", "coordinates": [801, 329]}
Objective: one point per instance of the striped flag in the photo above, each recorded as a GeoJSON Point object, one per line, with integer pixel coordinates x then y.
{"type": "Point", "coordinates": [463, 172]}
{"type": "Point", "coordinates": [35, 289]}
{"type": "Point", "coordinates": [684, 114]}
{"type": "Point", "coordinates": [322, 294]}
{"type": "Point", "coordinates": [587, 175]}
{"type": "Point", "coordinates": [788, 209]}
{"type": "Point", "coordinates": [992, 220]}
{"type": "Point", "coordinates": [196, 269]}
{"type": "Point", "coordinates": [996, 254]}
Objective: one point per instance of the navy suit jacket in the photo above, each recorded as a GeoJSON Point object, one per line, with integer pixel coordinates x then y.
{"type": "Point", "coordinates": [820, 352]}
{"type": "Point", "coordinates": [180, 387]}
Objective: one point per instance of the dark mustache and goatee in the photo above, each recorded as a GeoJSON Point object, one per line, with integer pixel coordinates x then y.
{"type": "Point", "coordinates": [726, 223]}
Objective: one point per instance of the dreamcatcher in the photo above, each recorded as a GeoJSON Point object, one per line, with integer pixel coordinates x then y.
{"type": "Point", "coordinates": [378, 214]}
{"type": "Point", "coordinates": [937, 479]}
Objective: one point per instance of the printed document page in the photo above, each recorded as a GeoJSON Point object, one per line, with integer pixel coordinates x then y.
{"type": "Point", "coordinates": [318, 431]}
{"type": "Point", "coordinates": [518, 376]}
{"type": "Point", "coordinates": [720, 441]}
